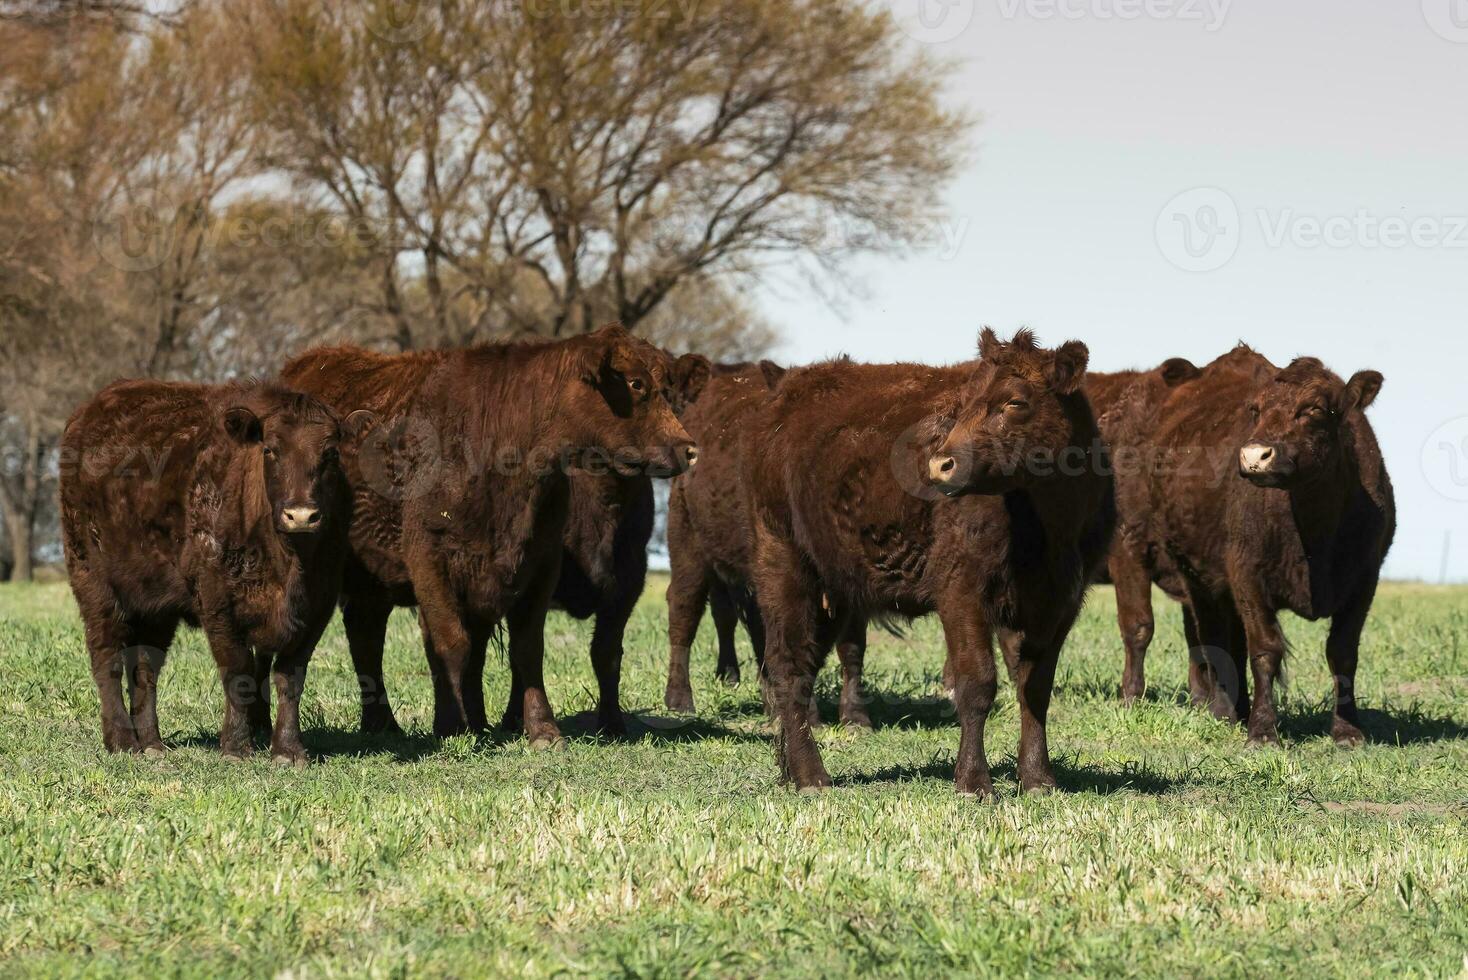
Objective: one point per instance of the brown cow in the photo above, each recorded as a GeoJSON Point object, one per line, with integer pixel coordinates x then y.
{"type": "Point", "coordinates": [709, 542]}
{"type": "Point", "coordinates": [222, 507]}
{"type": "Point", "coordinates": [836, 466]}
{"type": "Point", "coordinates": [1271, 493]}
{"type": "Point", "coordinates": [499, 414]}
{"type": "Point", "coordinates": [1126, 404]}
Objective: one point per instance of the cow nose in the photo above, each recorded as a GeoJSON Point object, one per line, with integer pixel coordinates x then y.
{"type": "Point", "coordinates": [300, 518]}
{"type": "Point", "coordinates": [690, 456]}
{"type": "Point", "coordinates": [942, 468]}
{"type": "Point", "coordinates": [1256, 458]}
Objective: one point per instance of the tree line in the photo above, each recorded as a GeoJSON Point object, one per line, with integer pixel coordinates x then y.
{"type": "Point", "coordinates": [196, 190]}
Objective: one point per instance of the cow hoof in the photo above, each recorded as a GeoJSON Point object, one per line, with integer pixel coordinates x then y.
{"type": "Point", "coordinates": [730, 679]}
{"type": "Point", "coordinates": [290, 761]}
{"type": "Point", "coordinates": [1349, 740]}
{"type": "Point", "coordinates": [857, 720]}
{"type": "Point", "coordinates": [815, 790]}
{"type": "Point", "coordinates": [679, 701]}
{"type": "Point", "coordinates": [234, 756]}
{"type": "Point", "coordinates": [546, 743]}
{"type": "Point", "coordinates": [154, 752]}
{"type": "Point", "coordinates": [978, 795]}
{"type": "Point", "coordinates": [1040, 789]}
{"type": "Point", "coordinates": [1259, 742]}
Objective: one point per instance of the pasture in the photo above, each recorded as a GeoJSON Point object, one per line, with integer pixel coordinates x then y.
{"type": "Point", "coordinates": [1171, 847]}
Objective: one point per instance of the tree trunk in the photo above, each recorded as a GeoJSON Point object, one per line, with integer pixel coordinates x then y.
{"type": "Point", "coordinates": [22, 534]}
{"type": "Point", "coordinates": [21, 505]}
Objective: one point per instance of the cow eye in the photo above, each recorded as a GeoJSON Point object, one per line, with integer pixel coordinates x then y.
{"type": "Point", "coordinates": [269, 453]}
{"type": "Point", "coordinates": [638, 385]}
{"type": "Point", "coordinates": [1017, 404]}
{"type": "Point", "coordinates": [1254, 411]}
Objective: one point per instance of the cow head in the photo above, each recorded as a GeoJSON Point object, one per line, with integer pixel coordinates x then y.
{"type": "Point", "coordinates": [623, 408]}
{"type": "Point", "coordinates": [1015, 419]}
{"type": "Point", "coordinates": [1298, 420]}
{"type": "Point", "coordinates": [299, 472]}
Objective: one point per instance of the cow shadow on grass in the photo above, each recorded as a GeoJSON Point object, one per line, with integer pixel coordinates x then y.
{"type": "Point", "coordinates": [344, 743]}
{"type": "Point", "coordinates": [1071, 776]}
{"type": "Point", "coordinates": [1398, 726]}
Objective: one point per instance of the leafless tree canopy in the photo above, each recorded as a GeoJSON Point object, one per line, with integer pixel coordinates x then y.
{"type": "Point", "coordinates": [195, 189]}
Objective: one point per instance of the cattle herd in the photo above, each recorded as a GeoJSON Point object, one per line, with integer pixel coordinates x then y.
{"type": "Point", "coordinates": [488, 485]}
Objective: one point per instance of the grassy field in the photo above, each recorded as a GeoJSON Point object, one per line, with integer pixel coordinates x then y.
{"type": "Point", "coordinates": [1170, 848]}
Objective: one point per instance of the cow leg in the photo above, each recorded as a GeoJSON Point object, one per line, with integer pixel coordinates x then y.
{"type": "Point", "coordinates": [1215, 656]}
{"type": "Point", "coordinates": [1342, 648]}
{"type": "Point", "coordinates": [144, 664]}
{"type": "Point", "coordinates": [513, 720]}
{"type": "Point", "coordinates": [474, 708]}
{"type": "Point", "coordinates": [260, 723]}
{"type": "Point", "coordinates": [688, 591]}
{"type": "Point", "coordinates": [237, 673]}
{"type": "Point", "coordinates": [790, 603]}
{"type": "Point", "coordinates": [1031, 664]}
{"type": "Point", "coordinates": [107, 636]}
{"type": "Point", "coordinates": [726, 619]}
{"type": "Point", "coordinates": [1266, 649]}
{"type": "Point", "coordinates": [446, 644]}
{"type": "Point", "coordinates": [606, 660]}
{"type": "Point", "coordinates": [526, 622]}
{"type": "Point", "coordinates": [754, 625]}
{"type": "Point", "coordinates": [365, 621]}
{"type": "Point", "coordinates": [1134, 618]}
{"type": "Point", "coordinates": [851, 648]}
{"type": "Point", "coordinates": [969, 671]}
{"type": "Point", "coordinates": [1200, 683]}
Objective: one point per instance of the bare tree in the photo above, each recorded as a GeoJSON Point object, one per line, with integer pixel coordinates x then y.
{"type": "Point", "coordinates": [574, 165]}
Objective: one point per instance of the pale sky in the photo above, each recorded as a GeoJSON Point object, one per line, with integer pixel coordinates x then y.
{"type": "Point", "coordinates": [1320, 148]}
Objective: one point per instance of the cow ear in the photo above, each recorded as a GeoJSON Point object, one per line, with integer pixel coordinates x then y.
{"type": "Point", "coordinates": [773, 373]}
{"type": "Point", "coordinates": [1361, 390]}
{"type": "Point", "coordinates": [1176, 370]}
{"type": "Point", "coordinates": [359, 422]}
{"type": "Point", "coordinates": [243, 426]}
{"type": "Point", "coordinates": [1068, 367]}
{"type": "Point", "coordinates": [690, 373]}
{"type": "Point", "coordinates": [989, 344]}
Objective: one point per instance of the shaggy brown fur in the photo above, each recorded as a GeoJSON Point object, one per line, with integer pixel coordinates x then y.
{"type": "Point", "coordinates": [222, 507]}
{"type": "Point", "coordinates": [709, 542]}
{"type": "Point", "coordinates": [480, 415]}
{"type": "Point", "coordinates": [836, 469]}
{"type": "Point", "coordinates": [1271, 494]}
{"type": "Point", "coordinates": [1126, 404]}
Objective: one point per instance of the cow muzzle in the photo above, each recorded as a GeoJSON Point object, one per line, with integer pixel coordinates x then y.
{"type": "Point", "coordinates": [1265, 465]}
{"type": "Point", "coordinates": [300, 520]}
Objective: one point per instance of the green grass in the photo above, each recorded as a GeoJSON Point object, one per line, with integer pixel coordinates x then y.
{"type": "Point", "coordinates": [1170, 848]}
